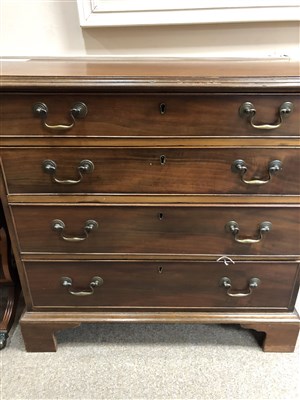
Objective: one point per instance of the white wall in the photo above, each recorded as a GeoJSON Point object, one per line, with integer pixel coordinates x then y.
{"type": "Point", "coordinates": [51, 28]}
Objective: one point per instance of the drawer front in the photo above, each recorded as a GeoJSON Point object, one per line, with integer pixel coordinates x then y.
{"type": "Point", "coordinates": [152, 170]}
{"type": "Point", "coordinates": [167, 284]}
{"type": "Point", "coordinates": [158, 229]}
{"type": "Point", "coordinates": [148, 115]}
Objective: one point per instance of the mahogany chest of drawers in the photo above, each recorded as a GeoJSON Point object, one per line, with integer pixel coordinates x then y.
{"type": "Point", "coordinates": [153, 191]}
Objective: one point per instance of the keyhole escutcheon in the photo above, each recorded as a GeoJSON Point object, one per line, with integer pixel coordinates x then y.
{"type": "Point", "coordinates": [163, 159]}
{"type": "Point", "coordinates": [162, 108]}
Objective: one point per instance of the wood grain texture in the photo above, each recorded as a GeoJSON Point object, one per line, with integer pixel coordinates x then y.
{"type": "Point", "coordinates": [164, 67]}
{"type": "Point", "coordinates": [140, 199]}
{"type": "Point", "coordinates": [151, 75]}
{"type": "Point", "coordinates": [278, 337]}
{"type": "Point", "coordinates": [139, 115]}
{"type": "Point", "coordinates": [13, 238]}
{"type": "Point", "coordinates": [183, 285]}
{"type": "Point", "coordinates": [181, 230]}
{"type": "Point", "coordinates": [41, 337]}
{"type": "Point", "coordinates": [150, 215]}
{"type": "Point", "coordinates": [38, 328]}
{"type": "Point", "coordinates": [9, 280]}
{"type": "Point", "coordinates": [140, 171]}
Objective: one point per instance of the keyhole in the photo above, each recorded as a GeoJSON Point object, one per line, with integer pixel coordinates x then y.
{"type": "Point", "coordinates": [162, 108]}
{"type": "Point", "coordinates": [163, 160]}
{"type": "Point", "coordinates": [160, 216]}
{"type": "Point", "coordinates": [160, 270]}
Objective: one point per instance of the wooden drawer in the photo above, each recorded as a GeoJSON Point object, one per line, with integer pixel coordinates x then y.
{"type": "Point", "coordinates": [151, 170]}
{"type": "Point", "coordinates": [149, 115]}
{"type": "Point", "coordinates": [162, 284]}
{"type": "Point", "coordinates": [158, 229]}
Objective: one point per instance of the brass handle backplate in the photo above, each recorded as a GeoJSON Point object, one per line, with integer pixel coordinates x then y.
{"type": "Point", "coordinates": [84, 167]}
{"type": "Point", "coordinates": [248, 111]}
{"type": "Point", "coordinates": [95, 282]}
{"type": "Point", "coordinates": [240, 167]}
{"type": "Point", "coordinates": [233, 227]}
{"type": "Point", "coordinates": [78, 111]}
{"type": "Point", "coordinates": [252, 284]}
{"type": "Point", "coordinates": [59, 226]}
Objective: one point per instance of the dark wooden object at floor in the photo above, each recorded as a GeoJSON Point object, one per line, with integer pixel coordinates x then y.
{"type": "Point", "coordinates": [8, 279]}
{"type": "Point", "coordinates": [154, 192]}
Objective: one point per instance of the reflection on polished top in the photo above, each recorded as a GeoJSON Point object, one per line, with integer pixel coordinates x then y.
{"type": "Point", "coordinates": [149, 72]}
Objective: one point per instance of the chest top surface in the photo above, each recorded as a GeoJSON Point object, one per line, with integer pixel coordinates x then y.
{"type": "Point", "coordinates": [156, 74]}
